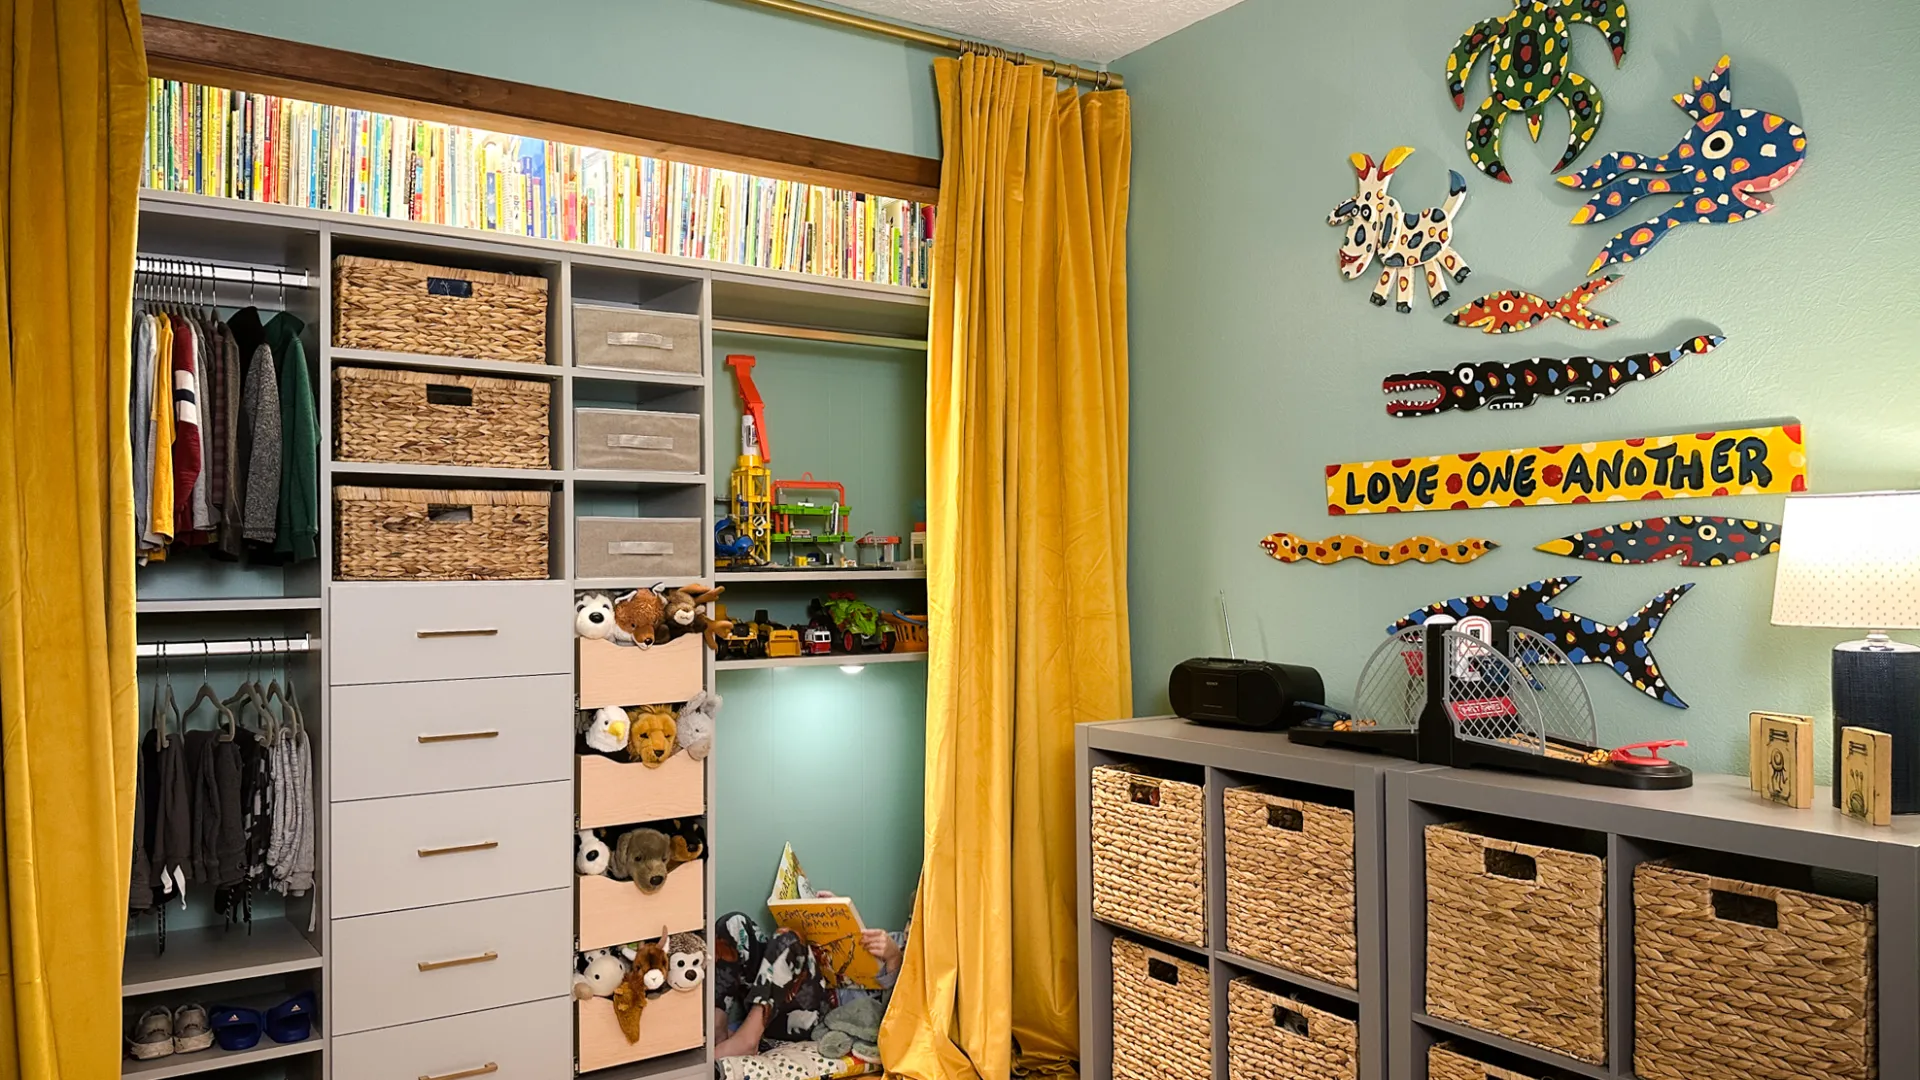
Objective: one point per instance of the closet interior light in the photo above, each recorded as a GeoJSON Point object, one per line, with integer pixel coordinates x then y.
{"type": "Point", "coordinates": [853, 669]}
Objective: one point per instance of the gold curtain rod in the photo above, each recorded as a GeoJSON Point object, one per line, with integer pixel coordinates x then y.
{"type": "Point", "coordinates": [1099, 80]}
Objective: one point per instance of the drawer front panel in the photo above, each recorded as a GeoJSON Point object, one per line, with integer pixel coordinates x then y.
{"type": "Point", "coordinates": [629, 439]}
{"type": "Point", "coordinates": [422, 850]}
{"type": "Point", "coordinates": [666, 549]}
{"type": "Point", "coordinates": [417, 738]}
{"type": "Point", "coordinates": [521, 1042]}
{"type": "Point", "coordinates": [633, 340]}
{"type": "Point", "coordinates": [465, 630]}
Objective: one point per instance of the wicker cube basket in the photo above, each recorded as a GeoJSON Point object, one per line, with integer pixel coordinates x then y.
{"type": "Point", "coordinates": [428, 418]}
{"type": "Point", "coordinates": [1150, 854]}
{"type": "Point", "coordinates": [1274, 1037]}
{"type": "Point", "coordinates": [440, 310]}
{"type": "Point", "coordinates": [1516, 940]}
{"type": "Point", "coordinates": [1446, 1061]}
{"type": "Point", "coordinates": [1290, 884]}
{"type": "Point", "coordinates": [413, 534]}
{"type": "Point", "coordinates": [1737, 981]}
{"type": "Point", "coordinates": [1162, 1016]}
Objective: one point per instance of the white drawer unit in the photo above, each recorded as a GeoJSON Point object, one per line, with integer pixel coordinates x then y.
{"type": "Point", "coordinates": [417, 632]}
{"type": "Point", "coordinates": [417, 738]}
{"type": "Point", "coordinates": [408, 966]}
{"type": "Point", "coordinates": [521, 1042]}
{"type": "Point", "coordinates": [421, 850]}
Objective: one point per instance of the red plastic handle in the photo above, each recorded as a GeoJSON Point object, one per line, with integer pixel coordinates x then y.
{"type": "Point", "coordinates": [1649, 756]}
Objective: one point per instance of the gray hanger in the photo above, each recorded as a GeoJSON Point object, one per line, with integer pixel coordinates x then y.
{"type": "Point", "coordinates": [207, 694]}
{"type": "Point", "coordinates": [163, 706]}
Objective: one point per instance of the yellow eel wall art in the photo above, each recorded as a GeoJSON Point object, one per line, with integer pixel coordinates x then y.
{"type": "Point", "coordinates": [1289, 548]}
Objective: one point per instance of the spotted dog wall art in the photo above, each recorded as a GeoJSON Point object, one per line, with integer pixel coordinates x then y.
{"type": "Point", "coordinates": [1577, 380]}
{"type": "Point", "coordinates": [1530, 63]}
{"type": "Point", "coordinates": [1693, 540]}
{"type": "Point", "coordinates": [1288, 548]}
{"type": "Point", "coordinates": [1406, 243]}
{"type": "Point", "coordinates": [1718, 173]}
{"type": "Point", "coordinates": [1515, 310]}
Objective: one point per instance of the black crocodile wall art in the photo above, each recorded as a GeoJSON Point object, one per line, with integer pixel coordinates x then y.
{"type": "Point", "coordinates": [1517, 385]}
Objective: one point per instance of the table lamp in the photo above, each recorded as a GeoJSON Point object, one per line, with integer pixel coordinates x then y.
{"type": "Point", "coordinates": [1853, 561]}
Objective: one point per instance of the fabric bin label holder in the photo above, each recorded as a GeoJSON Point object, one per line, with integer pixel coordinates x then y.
{"type": "Point", "coordinates": [640, 442]}
{"type": "Point", "coordinates": [639, 339]}
{"type": "Point", "coordinates": [640, 547]}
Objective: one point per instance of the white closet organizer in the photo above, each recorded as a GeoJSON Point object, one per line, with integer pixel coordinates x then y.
{"type": "Point", "coordinates": [442, 932]}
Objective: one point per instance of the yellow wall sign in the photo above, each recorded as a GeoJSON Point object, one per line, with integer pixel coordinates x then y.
{"type": "Point", "coordinates": [1750, 461]}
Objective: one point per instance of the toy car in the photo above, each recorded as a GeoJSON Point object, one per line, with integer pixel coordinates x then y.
{"type": "Point", "coordinates": [783, 643]}
{"type": "Point", "coordinates": [819, 642]}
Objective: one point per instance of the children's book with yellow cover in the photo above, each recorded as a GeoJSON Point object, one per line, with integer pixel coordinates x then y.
{"type": "Point", "coordinates": [830, 924]}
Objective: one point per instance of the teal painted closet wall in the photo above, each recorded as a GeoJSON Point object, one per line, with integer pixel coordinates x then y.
{"type": "Point", "coordinates": [706, 57]}
{"type": "Point", "coordinates": [1254, 364]}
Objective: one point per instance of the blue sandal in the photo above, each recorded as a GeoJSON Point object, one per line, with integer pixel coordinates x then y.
{"type": "Point", "coordinates": [236, 1028]}
{"type": "Point", "coordinates": [292, 1020]}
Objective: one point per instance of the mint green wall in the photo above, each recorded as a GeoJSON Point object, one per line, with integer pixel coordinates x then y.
{"type": "Point", "coordinates": [1254, 364]}
{"type": "Point", "coordinates": [710, 58]}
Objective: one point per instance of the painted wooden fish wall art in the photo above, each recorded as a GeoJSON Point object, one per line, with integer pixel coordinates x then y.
{"type": "Point", "coordinates": [1491, 385]}
{"type": "Point", "coordinates": [1529, 63]}
{"type": "Point", "coordinates": [1420, 242]}
{"type": "Point", "coordinates": [1718, 172]}
{"type": "Point", "coordinates": [1693, 539]}
{"type": "Point", "coordinates": [1515, 310]}
{"type": "Point", "coordinates": [1289, 548]}
{"type": "Point", "coordinates": [1626, 647]}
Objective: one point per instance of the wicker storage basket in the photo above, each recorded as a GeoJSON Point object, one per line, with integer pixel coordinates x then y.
{"type": "Point", "coordinates": [1516, 940]}
{"type": "Point", "coordinates": [1274, 1037]}
{"type": "Point", "coordinates": [1162, 1016]}
{"type": "Point", "coordinates": [413, 534]}
{"type": "Point", "coordinates": [1290, 884]}
{"type": "Point", "coordinates": [1149, 854]}
{"type": "Point", "coordinates": [441, 310]}
{"type": "Point", "coordinates": [1445, 1061]}
{"type": "Point", "coordinates": [423, 418]}
{"type": "Point", "coordinates": [1736, 980]}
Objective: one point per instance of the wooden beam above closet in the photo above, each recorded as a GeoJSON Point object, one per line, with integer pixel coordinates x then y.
{"type": "Point", "coordinates": [240, 61]}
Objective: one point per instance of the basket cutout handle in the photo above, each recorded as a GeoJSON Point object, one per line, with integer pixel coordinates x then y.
{"type": "Point", "coordinates": [1285, 817]}
{"type": "Point", "coordinates": [449, 394]}
{"type": "Point", "coordinates": [1291, 1021]}
{"type": "Point", "coordinates": [1162, 970]}
{"type": "Point", "coordinates": [446, 286]}
{"type": "Point", "coordinates": [448, 514]}
{"type": "Point", "coordinates": [1512, 865]}
{"type": "Point", "coordinates": [1744, 905]}
{"type": "Point", "coordinates": [1143, 793]}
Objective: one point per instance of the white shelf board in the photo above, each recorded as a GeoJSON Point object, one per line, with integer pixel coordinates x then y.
{"type": "Point", "coordinates": [838, 573]}
{"type": "Point", "coordinates": [623, 584]}
{"type": "Point", "coordinates": [637, 476]}
{"type": "Point", "coordinates": [215, 1058]}
{"type": "Point", "coordinates": [215, 954]}
{"type": "Point", "coordinates": [651, 378]}
{"type": "Point", "coordinates": [210, 606]}
{"type": "Point", "coordinates": [444, 472]}
{"type": "Point", "coordinates": [426, 362]}
{"type": "Point", "coordinates": [834, 660]}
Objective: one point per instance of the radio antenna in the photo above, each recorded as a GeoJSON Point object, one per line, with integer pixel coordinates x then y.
{"type": "Point", "coordinates": [1228, 625]}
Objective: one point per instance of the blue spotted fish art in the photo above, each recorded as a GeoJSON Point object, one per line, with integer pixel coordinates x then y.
{"type": "Point", "coordinates": [1626, 647]}
{"type": "Point", "coordinates": [1693, 539]}
{"type": "Point", "coordinates": [1576, 380]}
{"type": "Point", "coordinates": [1719, 172]}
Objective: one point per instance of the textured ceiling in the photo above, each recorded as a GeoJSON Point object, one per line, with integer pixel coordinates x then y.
{"type": "Point", "coordinates": [1085, 30]}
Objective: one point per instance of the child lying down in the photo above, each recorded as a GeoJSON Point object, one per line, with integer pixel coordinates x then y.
{"type": "Point", "coordinates": [768, 989]}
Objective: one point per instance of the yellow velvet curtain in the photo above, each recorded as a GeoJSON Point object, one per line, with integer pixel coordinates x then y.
{"type": "Point", "coordinates": [1027, 561]}
{"type": "Point", "coordinates": [74, 109]}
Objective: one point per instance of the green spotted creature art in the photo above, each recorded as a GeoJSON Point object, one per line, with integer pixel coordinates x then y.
{"type": "Point", "coordinates": [1530, 63]}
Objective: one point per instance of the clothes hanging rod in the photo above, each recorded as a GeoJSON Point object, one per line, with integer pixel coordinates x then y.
{"type": "Point", "coordinates": [1099, 80]}
{"type": "Point", "coordinates": [185, 270]}
{"type": "Point", "coordinates": [809, 333]}
{"type": "Point", "coordinates": [247, 647]}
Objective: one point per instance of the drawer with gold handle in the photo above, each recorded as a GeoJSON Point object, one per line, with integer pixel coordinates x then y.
{"type": "Point", "coordinates": [421, 850]}
{"type": "Point", "coordinates": [533, 1041]}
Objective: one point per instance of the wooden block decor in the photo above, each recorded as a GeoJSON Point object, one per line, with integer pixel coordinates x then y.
{"type": "Point", "coordinates": [626, 676]}
{"type": "Point", "coordinates": [1780, 757]}
{"type": "Point", "coordinates": [626, 793]}
{"type": "Point", "coordinates": [615, 912]}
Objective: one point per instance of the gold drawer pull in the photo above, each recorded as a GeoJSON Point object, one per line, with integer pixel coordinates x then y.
{"type": "Point", "coordinates": [489, 1067]}
{"type": "Point", "coordinates": [457, 736]}
{"type": "Point", "coordinates": [487, 957]}
{"type": "Point", "coordinates": [482, 632]}
{"type": "Point", "coordinates": [484, 845]}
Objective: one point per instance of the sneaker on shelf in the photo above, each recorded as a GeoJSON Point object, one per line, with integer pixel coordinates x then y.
{"type": "Point", "coordinates": [191, 1029]}
{"type": "Point", "coordinates": [152, 1034]}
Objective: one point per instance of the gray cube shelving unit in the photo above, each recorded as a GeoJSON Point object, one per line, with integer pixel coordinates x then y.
{"type": "Point", "coordinates": [1393, 803]}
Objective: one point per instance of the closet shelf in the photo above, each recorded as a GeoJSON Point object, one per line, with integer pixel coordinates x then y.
{"type": "Point", "coordinates": [1307, 982]}
{"type": "Point", "coordinates": [624, 584]}
{"type": "Point", "coordinates": [213, 954]}
{"type": "Point", "coordinates": [226, 604]}
{"type": "Point", "coordinates": [455, 473]}
{"type": "Point", "coordinates": [658, 378]}
{"type": "Point", "coordinates": [215, 1058]}
{"type": "Point", "coordinates": [835, 660]}
{"type": "Point", "coordinates": [1561, 1062]}
{"type": "Point", "coordinates": [685, 1065]}
{"type": "Point", "coordinates": [729, 577]}
{"type": "Point", "coordinates": [637, 476]}
{"type": "Point", "coordinates": [456, 364]}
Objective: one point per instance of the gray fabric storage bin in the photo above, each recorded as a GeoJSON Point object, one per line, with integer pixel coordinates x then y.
{"type": "Point", "coordinates": [662, 548]}
{"type": "Point", "coordinates": [633, 340]}
{"type": "Point", "coordinates": [629, 439]}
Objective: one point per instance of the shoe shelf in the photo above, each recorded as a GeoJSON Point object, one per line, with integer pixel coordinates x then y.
{"type": "Point", "coordinates": [215, 1058]}
{"type": "Point", "coordinates": [212, 954]}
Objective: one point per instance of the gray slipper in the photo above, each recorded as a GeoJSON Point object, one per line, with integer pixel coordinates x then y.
{"type": "Point", "coordinates": [835, 1044]}
{"type": "Point", "coordinates": [191, 1029]}
{"type": "Point", "coordinates": [152, 1034]}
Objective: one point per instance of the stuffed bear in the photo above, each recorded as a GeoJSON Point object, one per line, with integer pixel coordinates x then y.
{"type": "Point", "coordinates": [687, 614]}
{"type": "Point", "coordinates": [591, 854]}
{"type": "Point", "coordinates": [607, 729]}
{"type": "Point", "coordinates": [640, 618]}
{"type": "Point", "coordinates": [696, 724]}
{"type": "Point", "coordinates": [650, 735]}
{"type": "Point", "coordinates": [643, 856]}
{"type": "Point", "coordinates": [600, 973]}
{"type": "Point", "coordinates": [593, 616]}
{"type": "Point", "coordinates": [687, 840]}
{"type": "Point", "coordinates": [687, 961]}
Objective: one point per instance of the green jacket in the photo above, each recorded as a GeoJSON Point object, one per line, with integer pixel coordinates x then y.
{"type": "Point", "coordinates": [298, 535]}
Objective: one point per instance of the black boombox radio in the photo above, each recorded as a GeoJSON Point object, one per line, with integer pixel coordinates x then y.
{"type": "Point", "coordinates": [1244, 693]}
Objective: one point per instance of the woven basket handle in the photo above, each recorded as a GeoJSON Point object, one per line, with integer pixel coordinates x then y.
{"type": "Point", "coordinates": [446, 286]}
{"type": "Point", "coordinates": [1162, 968]}
{"type": "Point", "coordinates": [1509, 860]}
{"type": "Point", "coordinates": [1744, 902]}
{"type": "Point", "coordinates": [448, 394]}
{"type": "Point", "coordinates": [1289, 1020]}
{"type": "Point", "coordinates": [448, 514]}
{"type": "Point", "coordinates": [1143, 791]}
{"type": "Point", "coordinates": [1282, 816]}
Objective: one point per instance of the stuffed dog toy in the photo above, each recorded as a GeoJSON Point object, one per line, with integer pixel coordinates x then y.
{"type": "Point", "coordinates": [643, 856]}
{"type": "Point", "coordinates": [593, 616]}
{"type": "Point", "coordinates": [687, 841]}
{"type": "Point", "coordinates": [650, 734]}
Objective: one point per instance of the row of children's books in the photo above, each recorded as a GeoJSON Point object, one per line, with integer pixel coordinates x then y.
{"type": "Point", "coordinates": [230, 143]}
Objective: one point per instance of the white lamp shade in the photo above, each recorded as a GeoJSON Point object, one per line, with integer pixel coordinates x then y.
{"type": "Point", "coordinates": [1849, 561]}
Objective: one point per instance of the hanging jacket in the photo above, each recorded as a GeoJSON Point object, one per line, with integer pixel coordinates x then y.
{"type": "Point", "coordinates": [227, 449]}
{"type": "Point", "coordinates": [140, 881]}
{"type": "Point", "coordinates": [260, 416]}
{"type": "Point", "coordinates": [297, 529]}
{"type": "Point", "coordinates": [203, 864]}
{"type": "Point", "coordinates": [186, 434]}
{"type": "Point", "coordinates": [140, 424]}
{"type": "Point", "coordinates": [160, 527]}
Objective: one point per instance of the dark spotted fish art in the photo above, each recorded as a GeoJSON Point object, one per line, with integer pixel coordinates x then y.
{"type": "Point", "coordinates": [1692, 539]}
{"type": "Point", "coordinates": [1576, 380]}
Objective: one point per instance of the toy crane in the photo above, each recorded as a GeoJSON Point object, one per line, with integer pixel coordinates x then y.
{"type": "Point", "coordinates": [745, 537]}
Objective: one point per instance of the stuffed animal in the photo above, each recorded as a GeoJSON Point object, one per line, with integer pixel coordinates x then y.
{"type": "Point", "coordinates": [593, 616]}
{"type": "Point", "coordinates": [687, 961]}
{"type": "Point", "coordinates": [607, 729]}
{"type": "Point", "coordinates": [600, 973]}
{"type": "Point", "coordinates": [640, 618]}
{"type": "Point", "coordinates": [616, 869]}
{"type": "Point", "coordinates": [687, 614]}
{"type": "Point", "coordinates": [696, 724]}
{"type": "Point", "coordinates": [653, 962]}
{"type": "Point", "coordinates": [590, 854]}
{"type": "Point", "coordinates": [687, 840]}
{"type": "Point", "coordinates": [649, 972]}
{"type": "Point", "coordinates": [650, 735]}
{"type": "Point", "coordinates": [643, 856]}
